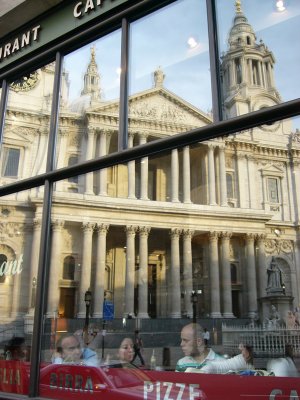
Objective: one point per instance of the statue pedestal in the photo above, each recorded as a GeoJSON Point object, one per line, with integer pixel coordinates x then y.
{"type": "Point", "coordinates": [282, 303]}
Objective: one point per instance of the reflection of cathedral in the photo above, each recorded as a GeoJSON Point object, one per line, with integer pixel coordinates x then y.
{"type": "Point", "coordinates": [146, 234]}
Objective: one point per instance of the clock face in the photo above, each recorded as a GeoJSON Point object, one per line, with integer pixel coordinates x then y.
{"type": "Point", "coordinates": [25, 83]}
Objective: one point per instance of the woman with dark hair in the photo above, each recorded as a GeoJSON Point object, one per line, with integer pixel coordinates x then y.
{"type": "Point", "coordinates": [284, 366]}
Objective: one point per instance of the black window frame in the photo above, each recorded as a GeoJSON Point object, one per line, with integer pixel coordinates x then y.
{"type": "Point", "coordinates": [56, 52]}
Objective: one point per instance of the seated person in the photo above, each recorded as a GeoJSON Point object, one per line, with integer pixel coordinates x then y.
{"type": "Point", "coordinates": [243, 361]}
{"type": "Point", "coordinates": [196, 353]}
{"type": "Point", "coordinates": [69, 350]}
{"type": "Point", "coordinates": [283, 366]}
{"type": "Point", "coordinates": [125, 351]}
{"type": "Point", "coordinates": [16, 349]}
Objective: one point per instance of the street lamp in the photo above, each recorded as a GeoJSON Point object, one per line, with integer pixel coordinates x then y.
{"type": "Point", "coordinates": [194, 300]}
{"type": "Point", "coordinates": [33, 292]}
{"type": "Point", "coordinates": [87, 299]}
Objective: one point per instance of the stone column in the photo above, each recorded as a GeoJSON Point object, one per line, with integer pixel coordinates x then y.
{"type": "Point", "coordinates": [262, 268]}
{"type": "Point", "coordinates": [144, 171]}
{"type": "Point", "coordinates": [251, 276]}
{"type": "Point", "coordinates": [130, 270]}
{"type": "Point", "coordinates": [226, 276]}
{"type": "Point", "coordinates": [143, 273]}
{"type": "Point", "coordinates": [131, 170]}
{"type": "Point", "coordinates": [242, 179]}
{"type": "Point", "coordinates": [86, 266]}
{"type": "Point", "coordinates": [61, 148]}
{"type": "Point", "coordinates": [102, 230]}
{"type": "Point", "coordinates": [89, 177]}
{"type": "Point", "coordinates": [175, 294]}
{"type": "Point", "coordinates": [55, 267]}
{"type": "Point", "coordinates": [186, 175]}
{"type": "Point", "coordinates": [211, 175]}
{"type": "Point", "coordinates": [214, 275]}
{"type": "Point", "coordinates": [174, 176]}
{"type": "Point", "coordinates": [250, 72]}
{"type": "Point", "coordinates": [103, 172]}
{"type": "Point", "coordinates": [252, 177]}
{"type": "Point", "coordinates": [34, 262]}
{"type": "Point", "coordinates": [223, 185]}
{"type": "Point", "coordinates": [187, 271]}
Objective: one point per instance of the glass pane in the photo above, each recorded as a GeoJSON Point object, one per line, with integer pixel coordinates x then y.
{"type": "Point", "coordinates": [259, 54]}
{"type": "Point", "coordinates": [170, 88]}
{"type": "Point", "coordinates": [126, 268]}
{"type": "Point", "coordinates": [26, 129]}
{"type": "Point", "coordinates": [89, 109]}
{"type": "Point", "coordinates": [20, 231]}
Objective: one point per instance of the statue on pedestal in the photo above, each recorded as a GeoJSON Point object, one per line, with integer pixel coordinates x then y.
{"type": "Point", "coordinates": [275, 282]}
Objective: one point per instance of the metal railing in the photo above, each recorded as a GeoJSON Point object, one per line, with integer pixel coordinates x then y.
{"type": "Point", "coordinates": [265, 342]}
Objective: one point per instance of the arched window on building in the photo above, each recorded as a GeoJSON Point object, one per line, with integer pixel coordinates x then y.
{"type": "Point", "coordinates": [69, 268]}
{"type": "Point", "coordinates": [3, 259]}
{"type": "Point", "coordinates": [248, 40]}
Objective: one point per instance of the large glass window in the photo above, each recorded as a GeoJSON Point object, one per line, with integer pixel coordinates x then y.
{"type": "Point", "coordinates": [20, 231]}
{"type": "Point", "coordinates": [169, 72]}
{"type": "Point", "coordinates": [26, 129]}
{"type": "Point", "coordinates": [89, 106]}
{"type": "Point", "coordinates": [186, 261]}
{"type": "Point", "coordinates": [259, 52]}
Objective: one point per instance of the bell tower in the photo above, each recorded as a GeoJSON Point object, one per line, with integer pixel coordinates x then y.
{"type": "Point", "coordinates": [92, 79]}
{"type": "Point", "coordinates": [247, 70]}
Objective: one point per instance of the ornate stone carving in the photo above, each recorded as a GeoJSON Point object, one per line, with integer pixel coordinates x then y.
{"type": "Point", "coordinates": [279, 246]}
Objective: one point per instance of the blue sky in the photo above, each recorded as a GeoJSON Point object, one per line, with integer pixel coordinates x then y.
{"type": "Point", "coordinates": [161, 40]}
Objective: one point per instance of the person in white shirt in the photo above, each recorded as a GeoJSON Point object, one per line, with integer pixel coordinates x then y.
{"type": "Point", "coordinates": [196, 353]}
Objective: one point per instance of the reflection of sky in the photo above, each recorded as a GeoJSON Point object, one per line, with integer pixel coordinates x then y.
{"type": "Point", "coordinates": [161, 40]}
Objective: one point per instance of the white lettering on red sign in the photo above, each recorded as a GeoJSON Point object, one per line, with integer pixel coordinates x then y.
{"type": "Point", "coordinates": [171, 391]}
{"type": "Point", "coordinates": [293, 395]}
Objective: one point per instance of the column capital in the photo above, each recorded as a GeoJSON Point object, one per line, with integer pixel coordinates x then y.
{"type": "Point", "coordinates": [88, 226]}
{"type": "Point", "coordinates": [225, 235]}
{"type": "Point", "coordinates": [57, 224]}
{"type": "Point", "coordinates": [37, 223]}
{"type": "Point", "coordinates": [144, 230]}
{"type": "Point", "coordinates": [250, 237]}
{"type": "Point", "coordinates": [130, 229]}
{"type": "Point", "coordinates": [175, 232]}
{"type": "Point", "coordinates": [261, 237]}
{"type": "Point", "coordinates": [143, 137]}
{"type": "Point", "coordinates": [187, 233]}
{"type": "Point", "coordinates": [91, 130]}
{"type": "Point", "coordinates": [102, 228]}
{"type": "Point", "coordinates": [213, 235]}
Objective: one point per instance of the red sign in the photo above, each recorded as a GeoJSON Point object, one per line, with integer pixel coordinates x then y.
{"type": "Point", "coordinates": [116, 383]}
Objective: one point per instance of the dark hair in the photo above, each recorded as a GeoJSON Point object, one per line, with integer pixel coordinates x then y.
{"type": "Point", "coordinates": [289, 351]}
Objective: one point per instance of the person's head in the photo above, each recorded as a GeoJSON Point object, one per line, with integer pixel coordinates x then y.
{"type": "Point", "coordinates": [192, 343]}
{"type": "Point", "coordinates": [69, 347]}
{"type": "Point", "coordinates": [17, 348]}
{"type": "Point", "coordinates": [247, 352]}
{"type": "Point", "coordinates": [125, 352]}
{"type": "Point", "coordinates": [289, 350]}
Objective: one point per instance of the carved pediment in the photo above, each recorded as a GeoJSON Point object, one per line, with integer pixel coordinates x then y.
{"type": "Point", "coordinates": [159, 106]}
{"type": "Point", "coordinates": [273, 169]}
{"type": "Point", "coordinates": [23, 134]}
